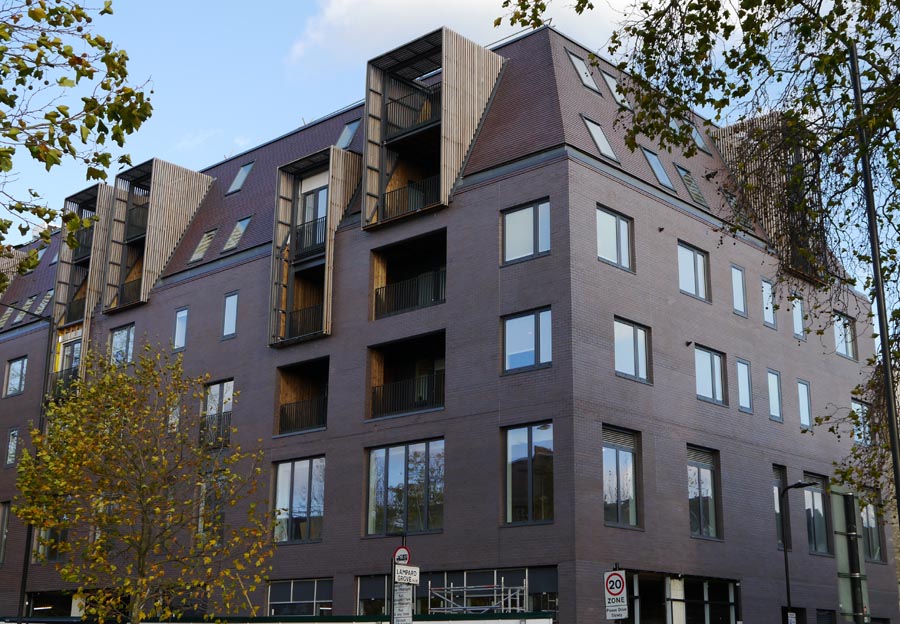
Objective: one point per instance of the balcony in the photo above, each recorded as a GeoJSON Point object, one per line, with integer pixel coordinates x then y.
{"type": "Point", "coordinates": [75, 311]}
{"type": "Point", "coordinates": [419, 109]}
{"type": "Point", "coordinates": [136, 222]}
{"type": "Point", "coordinates": [408, 395]}
{"type": "Point", "coordinates": [310, 238]}
{"type": "Point", "coordinates": [215, 430]}
{"type": "Point", "coordinates": [61, 381]}
{"type": "Point", "coordinates": [130, 292]}
{"type": "Point", "coordinates": [411, 198]}
{"type": "Point", "coordinates": [85, 239]}
{"type": "Point", "coordinates": [303, 415]}
{"type": "Point", "coordinates": [305, 322]}
{"type": "Point", "coordinates": [424, 290]}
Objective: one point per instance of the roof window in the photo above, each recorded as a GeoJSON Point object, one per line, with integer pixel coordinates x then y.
{"type": "Point", "coordinates": [202, 246]}
{"type": "Point", "coordinates": [600, 139]}
{"type": "Point", "coordinates": [6, 314]}
{"type": "Point", "coordinates": [584, 72]}
{"type": "Point", "coordinates": [691, 185]}
{"type": "Point", "coordinates": [240, 177]}
{"type": "Point", "coordinates": [347, 134]}
{"type": "Point", "coordinates": [657, 166]}
{"type": "Point", "coordinates": [43, 304]}
{"type": "Point", "coordinates": [613, 85]}
{"type": "Point", "coordinates": [235, 237]}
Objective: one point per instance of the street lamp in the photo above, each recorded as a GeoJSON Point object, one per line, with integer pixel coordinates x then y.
{"type": "Point", "coordinates": [785, 527]}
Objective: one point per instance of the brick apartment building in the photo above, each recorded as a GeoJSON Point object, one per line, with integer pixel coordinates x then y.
{"type": "Point", "coordinates": [463, 310]}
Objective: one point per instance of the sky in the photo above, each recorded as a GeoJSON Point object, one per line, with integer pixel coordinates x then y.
{"type": "Point", "coordinates": [227, 75]}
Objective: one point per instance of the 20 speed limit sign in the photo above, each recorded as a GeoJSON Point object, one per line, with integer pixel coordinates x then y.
{"type": "Point", "coordinates": [616, 595]}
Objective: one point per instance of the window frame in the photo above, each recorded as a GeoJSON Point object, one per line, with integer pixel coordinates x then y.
{"type": "Point", "coordinates": [738, 363]}
{"type": "Point", "coordinates": [800, 402]}
{"type": "Point", "coordinates": [782, 509]}
{"type": "Point", "coordinates": [129, 329]}
{"type": "Point", "coordinates": [695, 192]}
{"type": "Point", "coordinates": [698, 138]}
{"type": "Point", "coordinates": [348, 132]}
{"type": "Point", "coordinates": [321, 608]}
{"type": "Point", "coordinates": [620, 221]}
{"type": "Point", "coordinates": [604, 147]}
{"type": "Point", "coordinates": [5, 507]}
{"type": "Point", "coordinates": [848, 337]}
{"type": "Point", "coordinates": [770, 373]}
{"type": "Point", "coordinates": [739, 270]}
{"type": "Point", "coordinates": [310, 486]}
{"type": "Point", "coordinates": [712, 354]}
{"type": "Point", "coordinates": [768, 301]}
{"type": "Point", "coordinates": [696, 253]}
{"type": "Point", "coordinates": [21, 363]}
{"type": "Point", "coordinates": [537, 212]}
{"type": "Point", "coordinates": [225, 335]}
{"type": "Point", "coordinates": [821, 487]}
{"type": "Point", "coordinates": [240, 177]}
{"type": "Point", "coordinates": [634, 450]}
{"type": "Point", "coordinates": [862, 433]}
{"type": "Point", "coordinates": [175, 346]}
{"type": "Point", "coordinates": [507, 504]}
{"type": "Point", "coordinates": [538, 339]}
{"type": "Point", "coordinates": [635, 351]}
{"type": "Point", "coordinates": [228, 246]}
{"type": "Point", "coordinates": [12, 447]}
{"type": "Point", "coordinates": [592, 84]}
{"type": "Point", "coordinates": [203, 246]}
{"type": "Point", "coordinates": [659, 170]}
{"type": "Point", "coordinates": [716, 486]}
{"type": "Point", "coordinates": [872, 507]}
{"type": "Point", "coordinates": [798, 304]}
{"type": "Point", "coordinates": [612, 84]}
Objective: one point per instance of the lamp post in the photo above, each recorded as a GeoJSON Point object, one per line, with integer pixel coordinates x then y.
{"type": "Point", "coordinates": [785, 527]}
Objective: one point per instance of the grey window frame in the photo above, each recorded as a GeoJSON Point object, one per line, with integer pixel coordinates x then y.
{"type": "Point", "coordinates": [738, 363]}
{"type": "Point", "coordinates": [203, 246]}
{"type": "Point", "coordinates": [696, 253]}
{"type": "Point", "coordinates": [770, 372]}
{"type": "Point", "coordinates": [318, 605]}
{"type": "Point", "coordinates": [348, 132]}
{"type": "Point", "coordinates": [604, 147]}
{"type": "Point", "coordinates": [770, 304]}
{"type": "Point", "coordinates": [635, 351]}
{"type": "Point", "coordinates": [782, 507]}
{"type": "Point", "coordinates": [875, 507]}
{"type": "Point", "coordinates": [531, 494]}
{"type": "Point", "coordinates": [12, 446]}
{"type": "Point", "coordinates": [694, 192]}
{"type": "Point", "coordinates": [849, 335]}
{"type": "Point", "coordinates": [659, 170]}
{"type": "Point", "coordinates": [634, 450]}
{"type": "Point", "coordinates": [613, 84]}
{"type": "Point", "coordinates": [740, 270]}
{"type": "Point", "coordinates": [862, 433]}
{"type": "Point", "coordinates": [537, 211]}
{"type": "Point", "coordinates": [237, 183]}
{"type": "Point", "coordinates": [698, 138]}
{"type": "Point", "coordinates": [230, 295]}
{"type": "Point", "coordinates": [804, 383]}
{"type": "Point", "coordinates": [590, 84]}
{"type": "Point", "coordinates": [628, 222]}
{"type": "Point", "coordinates": [712, 354]}
{"type": "Point", "coordinates": [175, 345]}
{"type": "Point", "coordinates": [820, 486]}
{"type": "Point", "coordinates": [129, 329]}
{"type": "Point", "coordinates": [716, 486]}
{"type": "Point", "coordinates": [308, 511]}
{"type": "Point", "coordinates": [235, 236]}
{"type": "Point", "coordinates": [538, 338]}
{"type": "Point", "coordinates": [797, 303]}
{"type": "Point", "coordinates": [5, 507]}
{"type": "Point", "coordinates": [22, 363]}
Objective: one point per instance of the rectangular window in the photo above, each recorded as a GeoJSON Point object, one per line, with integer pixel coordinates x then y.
{"type": "Point", "coordinates": [614, 238]}
{"type": "Point", "coordinates": [527, 340]}
{"type": "Point", "coordinates": [620, 477]}
{"type": "Point", "coordinates": [870, 524]}
{"type": "Point", "coordinates": [710, 371]}
{"type": "Point", "coordinates": [738, 291]}
{"type": "Point", "coordinates": [4, 529]}
{"type": "Point", "coordinates": [658, 170]}
{"type": "Point", "coordinates": [632, 350]}
{"type": "Point", "coordinates": [805, 402]}
{"type": "Point", "coordinates": [215, 424]}
{"type": "Point", "coordinates": [693, 274]}
{"type": "Point", "coordinates": [202, 246]}
{"type": "Point", "coordinates": [862, 434]}
{"type": "Point", "coordinates": [121, 344]}
{"type": "Point", "coordinates": [45, 300]}
{"type": "Point", "coordinates": [600, 139]}
{"type": "Point", "coordinates": [347, 134]}
{"type": "Point", "coordinates": [779, 481]}
{"type": "Point", "coordinates": [768, 297]}
{"type": "Point", "coordinates": [698, 138]}
{"type": "Point", "coordinates": [15, 376]}
{"type": "Point", "coordinates": [181, 318]}
{"type": "Point", "coordinates": [236, 234]}
{"type": "Point", "coordinates": [826, 616]}
{"type": "Point", "coordinates": [815, 499]}
{"type": "Point", "coordinates": [797, 315]}
{"type": "Point", "coordinates": [703, 492]}
{"type": "Point", "coordinates": [691, 185]}
{"type": "Point", "coordinates": [7, 313]}
{"type": "Point", "coordinates": [299, 500]}
{"type": "Point", "coordinates": [229, 323]}
{"type": "Point", "coordinates": [526, 232]}
{"type": "Point", "coordinates": [584, 72]}
{"type": "Point", "coordinates": [844, 335]}
{"type": "Point", "coordinates": [745, 386]}
{"type": "Point", "coordinates": [773, 379]}
{"type": "Point", "coordinates": [12, 446]}
{"type": "Point", "coordinates": [240, 177]}
{"type": "Point", "coordinates": [529, 473]}
{"type": "Point", "coordinates": [613, 85]}
{"type": "Point", "coordinates": [302, 597]}
{"type": "Point", "coordinates": [48, 544]}
{"type": "Point", "coordinates": [25, 307]}
{"type": "Point", "coordinates": [406, 489]}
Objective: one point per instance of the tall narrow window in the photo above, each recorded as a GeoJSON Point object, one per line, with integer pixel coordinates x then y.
{"type": "Point", "coordinates": [773, 379]}
{"type": "Point", "coordinates": [406, 489]}
{"type": "Point", "coordinates": [702, 492]}
{"type": "Point", "coordinates": [870, 525]}
{"type": "Point", "coordinates": [526, 232]}
{"type": "Point", "coordinates": [529, 473]}
{"type": "Point", "coordinates": [710, 373]}
{"type": "Point", "coordinates": [236, 234]}
{"type": "Point", "coordinates": [693, 274]}
{"type": "Point", "coordinates": [240, 177]}
{"type": "Point", "coordinates": [15, 376]}
{"type": "Point", "coordinates": [229, 323]}
{"type": "Point", "coordinates": [768, 297]}
{"type": "Point", "coordinates": [12, 446]}
{"type": "Point", "coordinates": [202, 246]}
{"type": "Point", "coordinates": [584, 73]}
{"type": "Point", "coordinates": [181, 318]}
{"type": "Point", "coordinates": [738, 291]}
{"type": "Point", "coordinates": [121, 344]}
{"type": "Point", "coordinates": [797, 315]}
{"type": "Point", "coordinates": [804, 400]}
{"type": "Point", "coordinates": [600, 139]}
{"type": "Point", "coordinates": [691, 185]}
{"type": "Point", "coordinates": [620, 477]}
{"type": "Point", "coordinates": [779, 481]}
{"type": "Point", "coordinates": [658, 170]}
{"type": "Point", "coordinates": [862, 434]}
{"type": "Point", "coordinates": [844, 335]}
{"type": "Point", "coordinates": [698, 138]}
{"type": "Point", "coordinates": [614, 237]}
{"type": "Point", "coordinates": [299, 500]}
{"type": "Point", "coordinates": [632, 349]}
{"type": "Point", "coordinates": [527, 340]}
{"type": "Point", "coordinates": [215, 425]}
{"type": "Point", "coordinates": [815, 499]}
{"type": "Point", "coordinates": [613, 85]}
{"type": "Point", "coordinates": [4, 529]}
{"type": "Point", "coordinates": [745, 386]}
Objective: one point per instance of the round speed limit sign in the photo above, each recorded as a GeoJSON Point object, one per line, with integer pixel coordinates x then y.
{"type": "Point", "coordinates": [615, 583]}
{"type": "Point", "coordinates": [616, 595]}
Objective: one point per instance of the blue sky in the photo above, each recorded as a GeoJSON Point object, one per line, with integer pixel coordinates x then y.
{"type": "Point", "coordinates": [229, 75]}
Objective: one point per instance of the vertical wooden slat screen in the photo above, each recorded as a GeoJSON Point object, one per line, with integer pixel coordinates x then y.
{"type": "Point", "coordinates": [376, 376]}
{"type": "Point", "coordinates": [62, 292]}
{"type": "Point", "coordinates": [344, 170]}
{"type": "Point", "coordinates": [115, 245]}
{"type": "Point", "coordinates": [97, 265]}
{"type": "Point", "coordinates": [281, 256]}
{"type": "Point", "coordinates": [379, 280]}
{"type": "Point", "coordinates": [373, 150]}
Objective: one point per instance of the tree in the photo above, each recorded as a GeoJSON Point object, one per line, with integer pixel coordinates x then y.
{"type": "Point", "coordinates": [64, 95]}
{"type": "Point", "coordinates": [138, 496]}
{"type": "Point", "coordinates": [779, 72]}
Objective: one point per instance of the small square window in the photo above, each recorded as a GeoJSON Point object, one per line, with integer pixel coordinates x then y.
{"type": "Point", "coordinates": [691, 185]}
{"type": "Point", "coordinates": [798, 315]}
{"type": "Point", "coordinates": [658, 169]}
{"type": "Point", "coordinates": [738, 291]}
{"type": "Point", "coordinates": [805, 402]}
{"type": "Point", "coordinates": [614, 238]}
{"type": "Point", "coordinates": [613, 85]}
{"type": "Point", "coordinates": [709, 367]}
{"type": "Point", "coordinates": [632, 350]}
{"type": "Point", "coordinates": [347, 134]}
{"type": "Point", "coordinates": [600, 139]}
{"type": "Point", "coordinates": [240, 178]}
{"type": "Point", "coordinates": [773, 379]}
{"type": "Point", "coordinates": [526, 232]}
{"type": "Point", "coordinates": [844, 335]}
{"type": "Point", "coordinates": [584, 72]}
{"type": "Point", "coordinates": [235, 237]}
{"type": "Point", "coordinates": [202, 246]}
{"type": "Point", "coordinates": [745, 386]}
{"type": "Point", "coordinates": [229, 324]}
{"type": "Point", "coordinates": [693, 273]}
{"type": "Point", "coordinates": [180, 338]}
{"type": "Point", "coordinates": [12, 446]}
{"type": "Point", "coordinates": [527, 340]}
{"type": "Point", "coordinates": [15, 376]}
{"type": "Point", "coordinates": [768, 298]}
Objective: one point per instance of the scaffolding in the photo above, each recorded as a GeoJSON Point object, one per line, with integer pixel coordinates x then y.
{"type": "Point", "coordinates": [457, 599]}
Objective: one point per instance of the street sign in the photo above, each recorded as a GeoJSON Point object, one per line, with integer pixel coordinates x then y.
{"type": "Point", "coordinates": [792, 617]}
{"type": "Point", "coordinates": [406, 574]}
{"type": "Point", "coordinates": [616, 595]}
{"type": "Point", "coordinates": [401, 555]}
{"type": "Point", "coordinates": [402, 611]}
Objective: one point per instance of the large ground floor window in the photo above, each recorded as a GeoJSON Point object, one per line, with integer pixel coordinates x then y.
{"type": "Point", "coordinates": [655, 598]}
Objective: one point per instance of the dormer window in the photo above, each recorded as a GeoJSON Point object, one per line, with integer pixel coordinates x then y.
{"type": "Point", "coordinates": [235, 237]}
{"type": "Point", "coordinates": [202, 246]}
{"type": "Point", "coordinates": [241, 176]}
{"type": "Point", "coordinates": [347, 134]}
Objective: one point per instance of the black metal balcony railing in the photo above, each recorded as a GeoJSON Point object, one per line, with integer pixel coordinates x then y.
{"type": "Point", "coordinates": [303, 415]}
{"type": "Point", "coordinates": [408, 395]}
{"type": "Point", "coordinates": [61, 381]}
{"type": "Point", "coordinates": [85, 239]}
{"type": "Point", "coordinates": [304, 322]}
{"type": "Point", "coordinates": [215, 429]}
{"type": "Point", "coordinates": [411, 198]}
{"type": "Point", "coordinates": [75, 310]}
{"type": "Point", "coordinates": [426, 289]}
{"type": "Point", "coordinates": [310, 238]}
{"type": "Point", "coordinates": [419, 108]}
{"type": "Point", "coordinates": [136, 222]}
{"type": "Point", "coordinates": [130, 292]}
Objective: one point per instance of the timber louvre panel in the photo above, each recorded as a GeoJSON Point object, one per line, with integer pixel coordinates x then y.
{"type": "Point", "coordinates": [281, 256]}
{"type": "Point", "coordinates": [343, 177]}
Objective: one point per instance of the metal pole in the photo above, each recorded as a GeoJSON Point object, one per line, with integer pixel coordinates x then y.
{"type": "Point", "coordinates": [878, 285]}
{"type": "Point", "coordinates": [785, 527]}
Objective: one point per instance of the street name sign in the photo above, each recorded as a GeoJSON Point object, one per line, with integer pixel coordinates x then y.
{"type": "Point", "coordinates": [408, 575]}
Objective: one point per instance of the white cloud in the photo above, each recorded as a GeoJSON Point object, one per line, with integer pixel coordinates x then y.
{"type": "Point", "coordinates": [193, 140]}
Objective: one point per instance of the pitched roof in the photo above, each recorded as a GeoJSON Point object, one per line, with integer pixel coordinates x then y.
{"type": "Point", "coordinates": [36, 284]}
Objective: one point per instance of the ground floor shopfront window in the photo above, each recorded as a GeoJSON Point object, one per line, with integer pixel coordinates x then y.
{"type": "Point", "coordinates": [660, 599]}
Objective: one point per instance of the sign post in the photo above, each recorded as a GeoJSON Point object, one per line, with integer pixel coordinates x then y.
{"type": "Point", "coordinates": [616, 595]}
{"type": "Point", "coordinates": [403, 578]}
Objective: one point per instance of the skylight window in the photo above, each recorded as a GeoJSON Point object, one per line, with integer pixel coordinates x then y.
{"type": "Point", "coordinates": [691, 185]}
{"type": "Point", "coordinates": [26, 307]}
{"type": "Point", "coordinates": [698, 138]}
{"type": "Point", "coordinates": [347, 134]}
{"type": "Point", "coordinates": [43, 304]}
{"type": "Point", "coordinates": [657, 166]}
{"type": "Point", "coordinates": [613, 85]}
{"type": "Point", "coordinates": [6, 314]}
{"type": "Point", "coordinates": [202, 246]}
{"type": "Point", "coordinates": [55, 258]}
{"type": "Point", "coordinates": [241, 176]}
{"type": "Point", "coordinates": [584, 72]}
{"type": "Point", "coordinates": [600, 139]}
{"type": "Point", "coordinates": [239, 228]}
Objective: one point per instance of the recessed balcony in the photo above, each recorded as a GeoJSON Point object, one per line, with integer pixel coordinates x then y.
{"type": "Point", "coordinates": [85, 238]}
{"type": "Point", "coordinates": [413, 111]}
{"type": "Point", "coordinates": [302, 397]}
